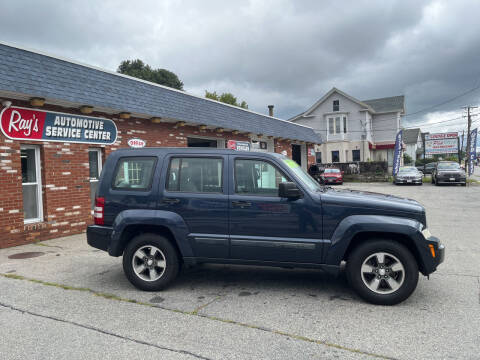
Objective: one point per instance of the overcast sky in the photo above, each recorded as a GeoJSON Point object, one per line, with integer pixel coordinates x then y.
{"type": "Point", "coordinates": [281, 52]}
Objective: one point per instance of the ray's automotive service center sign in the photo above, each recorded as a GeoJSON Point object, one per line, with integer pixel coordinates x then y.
{"type": "Point", "coordinates": [29, 124]}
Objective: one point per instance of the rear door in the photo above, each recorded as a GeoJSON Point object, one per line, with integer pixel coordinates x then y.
{"type": "Point", "coordinates": [194, 187]}
{"type": "Point", "coordinates": [265, 227]}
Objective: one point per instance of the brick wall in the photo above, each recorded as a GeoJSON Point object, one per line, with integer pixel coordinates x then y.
{"type": "Point", "coordinates": [65, 175]}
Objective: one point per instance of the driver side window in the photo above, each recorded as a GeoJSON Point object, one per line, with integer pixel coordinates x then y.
{"type": "Point", "coordinates": [257, 177]}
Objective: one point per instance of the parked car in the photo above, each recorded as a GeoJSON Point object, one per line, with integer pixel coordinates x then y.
{"type": "Point", "coordinates": [161, 208]}
{"type": "Point", "coordinates": [408, 175]}
{"type": "Point", "coordinates": [332, 176]}
{"type": "Point", "coordinates": [427, 169]}
{"type": "Point", "coordinates": [449, 172]}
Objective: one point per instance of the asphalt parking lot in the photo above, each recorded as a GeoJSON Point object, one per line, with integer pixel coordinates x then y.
{"type": "Point", "coordinates": [67, 300]}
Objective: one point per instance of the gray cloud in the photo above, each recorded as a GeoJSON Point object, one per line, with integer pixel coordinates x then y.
{"type": "Point", "coordinates": [285, 52]}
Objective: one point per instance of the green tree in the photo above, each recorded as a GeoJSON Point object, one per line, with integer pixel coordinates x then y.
{"type": "Point", "coordinates": [407, 159]}
{"type": "Point", "coordinates": [137, 68]}
{"type": "Point", "coordinates": [227, 98]}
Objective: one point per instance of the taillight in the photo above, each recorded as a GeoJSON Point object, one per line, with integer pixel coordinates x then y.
{"type": "Point", "coordinates": [98, 211]}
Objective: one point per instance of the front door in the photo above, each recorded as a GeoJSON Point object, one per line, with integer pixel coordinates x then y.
{"type": "Point", "coordinates": [195, 189]}
{"type": "Point", "coordinates": [264, 226]}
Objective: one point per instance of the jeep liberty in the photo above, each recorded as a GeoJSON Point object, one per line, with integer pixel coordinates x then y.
{"type": "Point", "coordinates": [161, 208]}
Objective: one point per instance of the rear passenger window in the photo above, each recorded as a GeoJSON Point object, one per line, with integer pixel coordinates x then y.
{"type": "Point", "coordinates": [134, 173]}
{"type": "Point", "coordinates": [195, 175]}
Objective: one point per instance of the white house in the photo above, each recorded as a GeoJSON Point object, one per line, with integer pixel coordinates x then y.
{"type": "Point", "coordinates": [412, 138]}
{"type": "Point", "coordinates": [354, 130]}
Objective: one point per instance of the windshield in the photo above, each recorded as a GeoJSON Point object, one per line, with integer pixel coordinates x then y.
{"type": "Point", "coordinates": [448, 166]}
{"type": "Point", "coordinates": [407, 170]}
{"type": "Point", "coordinates": [332, 171]}
{"type": "Point", "coordinates": [306, 179]}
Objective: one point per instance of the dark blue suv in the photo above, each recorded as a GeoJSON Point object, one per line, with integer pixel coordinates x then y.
{"type": "Point", "coordinates": [162, 208]}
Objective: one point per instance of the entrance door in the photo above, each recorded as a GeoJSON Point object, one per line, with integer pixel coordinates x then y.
{"type": "Point", "coordinates": [264, 226]}
{"type": "Point", "coordinates": [297, 154]}
{"type": "Point", "coordinates": [95, 167]}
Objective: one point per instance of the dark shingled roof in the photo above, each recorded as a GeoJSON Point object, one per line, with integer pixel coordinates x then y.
{"type": "Point", "coordinates": [393, 103]}
{"type": "Point", "coordinates": [27, 72]}
{"type": "Point", "coordinates": [410, 136]}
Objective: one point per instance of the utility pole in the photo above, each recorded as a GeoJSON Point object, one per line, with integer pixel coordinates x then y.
{"type": "Point", "coordinates": [469, 125]}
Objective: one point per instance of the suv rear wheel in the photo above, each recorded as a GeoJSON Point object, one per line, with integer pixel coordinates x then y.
{"type": "Point", "coordinates": [150, 262]}
{"type": "Point", "coordinates": [382, 272]}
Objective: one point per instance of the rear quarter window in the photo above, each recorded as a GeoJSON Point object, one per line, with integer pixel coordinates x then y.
{"type": "Point", "coordinates": [134, 173]}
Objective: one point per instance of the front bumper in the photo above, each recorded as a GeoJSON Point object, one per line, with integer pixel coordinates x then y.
{"type": "Point", "coordinates": [408, 181]}
{"type": "Point", "coordinates": [431, 262]}
{"type": "Point", "coordinates": [447, 180]}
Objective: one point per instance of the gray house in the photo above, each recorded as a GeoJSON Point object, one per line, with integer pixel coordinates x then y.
{"type": "Point", "coordinates": [412, 138]}
{"type": "Point", "coordinates": [354, 130]}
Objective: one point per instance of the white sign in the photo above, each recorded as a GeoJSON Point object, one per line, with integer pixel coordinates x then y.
{"type": "Point", "coordinates": [443, 146]}
{"type": "Point", "coordinates": [136, 143]}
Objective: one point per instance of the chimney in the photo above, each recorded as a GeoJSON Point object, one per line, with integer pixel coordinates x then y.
{"type": "Point", "coordinates": [270, 110]}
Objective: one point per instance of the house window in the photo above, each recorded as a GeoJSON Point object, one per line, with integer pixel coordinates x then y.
{"type": "Point", "coordinates": [336, 105]}
{"type": "Point", "coordinates": [344, 124]}
{"type": "Point", "coordinates": [318, 157]}
{"type": "Point", "coordinates": [31, 183]}
{"type": "Point", "coordinates": [335, 156]}
{"type": "Point", "coordinates": [331, 125]}
{"type": "Point", "coordinates": [337, 125]}
{"type": "Point", "coordinates": [95, 167]}
{"type": "Point", "coordinates": [356, 155]}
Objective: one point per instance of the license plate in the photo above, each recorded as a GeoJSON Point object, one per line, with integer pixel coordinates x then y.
{"type": "Point", "coordinates": [409, 181]}
{"type": "Point", "coordinates": [452, 179]}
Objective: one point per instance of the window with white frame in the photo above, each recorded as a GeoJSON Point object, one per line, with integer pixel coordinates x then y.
{"type": "Point", "coordinates": [95, 168]}
{"type": "Point", "coordinates": [337, 125]}
{"type": "Point", "coordinates": [31, 183]}
{"type": "Point", "coordinates": [336, 105]}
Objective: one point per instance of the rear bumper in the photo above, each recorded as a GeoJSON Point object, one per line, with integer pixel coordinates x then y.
{"type": "Point", "coordinates": [99, 237]}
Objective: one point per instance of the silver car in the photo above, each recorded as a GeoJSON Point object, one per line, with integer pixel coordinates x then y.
{"type": "Point", "coordinates": [408, 175]}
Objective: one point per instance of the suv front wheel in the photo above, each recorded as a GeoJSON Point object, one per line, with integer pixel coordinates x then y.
{"type": "Point", "coordinates": [382, 272]}
{"type": "Point", "coordinates": [150, 262]}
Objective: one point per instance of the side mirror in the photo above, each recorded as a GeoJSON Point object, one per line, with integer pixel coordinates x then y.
{"type": "Point", "coordinates": [289, 190]}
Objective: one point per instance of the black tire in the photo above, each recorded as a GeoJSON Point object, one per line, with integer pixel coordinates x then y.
{"type": "Point", "coordinates": [167, 251]}
{"type": "Point", "coordinates": [365, 250]}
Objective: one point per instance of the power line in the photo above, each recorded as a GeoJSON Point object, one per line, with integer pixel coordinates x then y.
{"type": "Point", "coordinates": [444, 102]}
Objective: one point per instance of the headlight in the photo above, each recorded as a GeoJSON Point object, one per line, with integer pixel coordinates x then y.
{"type": "Point", "coordinates": [426, 233]}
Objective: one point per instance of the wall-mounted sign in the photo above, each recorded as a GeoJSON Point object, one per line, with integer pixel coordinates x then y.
{"type": "Point", "coordinates": [136, 143]}
{"type": "Point", "coordinates": [30, 124]}
{"type": "Point", "coordinates": [238, 145]}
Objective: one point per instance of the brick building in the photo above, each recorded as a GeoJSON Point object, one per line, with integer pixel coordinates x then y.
{"type": "Point", "coordinates": [60, 119]}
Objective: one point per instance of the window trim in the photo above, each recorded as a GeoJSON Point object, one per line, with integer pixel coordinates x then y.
{"type": "Point", "coordinates": [280, 170]}
{"type": "Point", "coordinates": [171, 158]}
{"type": "Point", "coordinates": [337, 104]}
{"type": "Point", "coordinates": [154, 167]}
{"type": "Point", "coordinates": [38, 175]}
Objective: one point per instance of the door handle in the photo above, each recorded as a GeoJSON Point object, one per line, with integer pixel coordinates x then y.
{"type": "Point", "coordinates": [171, 201]}
{"type": "Point", "coordinates": [241, 204]}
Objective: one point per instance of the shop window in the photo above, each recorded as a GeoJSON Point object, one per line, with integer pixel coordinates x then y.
{"type": "Point", "coordinates": [134, 173]}
{"type": "Point", "coordinates": [256, 177]}
{"type": "Point", "coordinates": [335, 156]}
{"type": "Point", "coordinates": [198, 175]}
{"type": "Point", "coordinates": [356, 155]}
{"type": "Point", "coordinates": [318, 157]}
{"type": "Point", "coordinates": [31, 183]}
{"type": "Point", "coordinates": [95, 168]}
